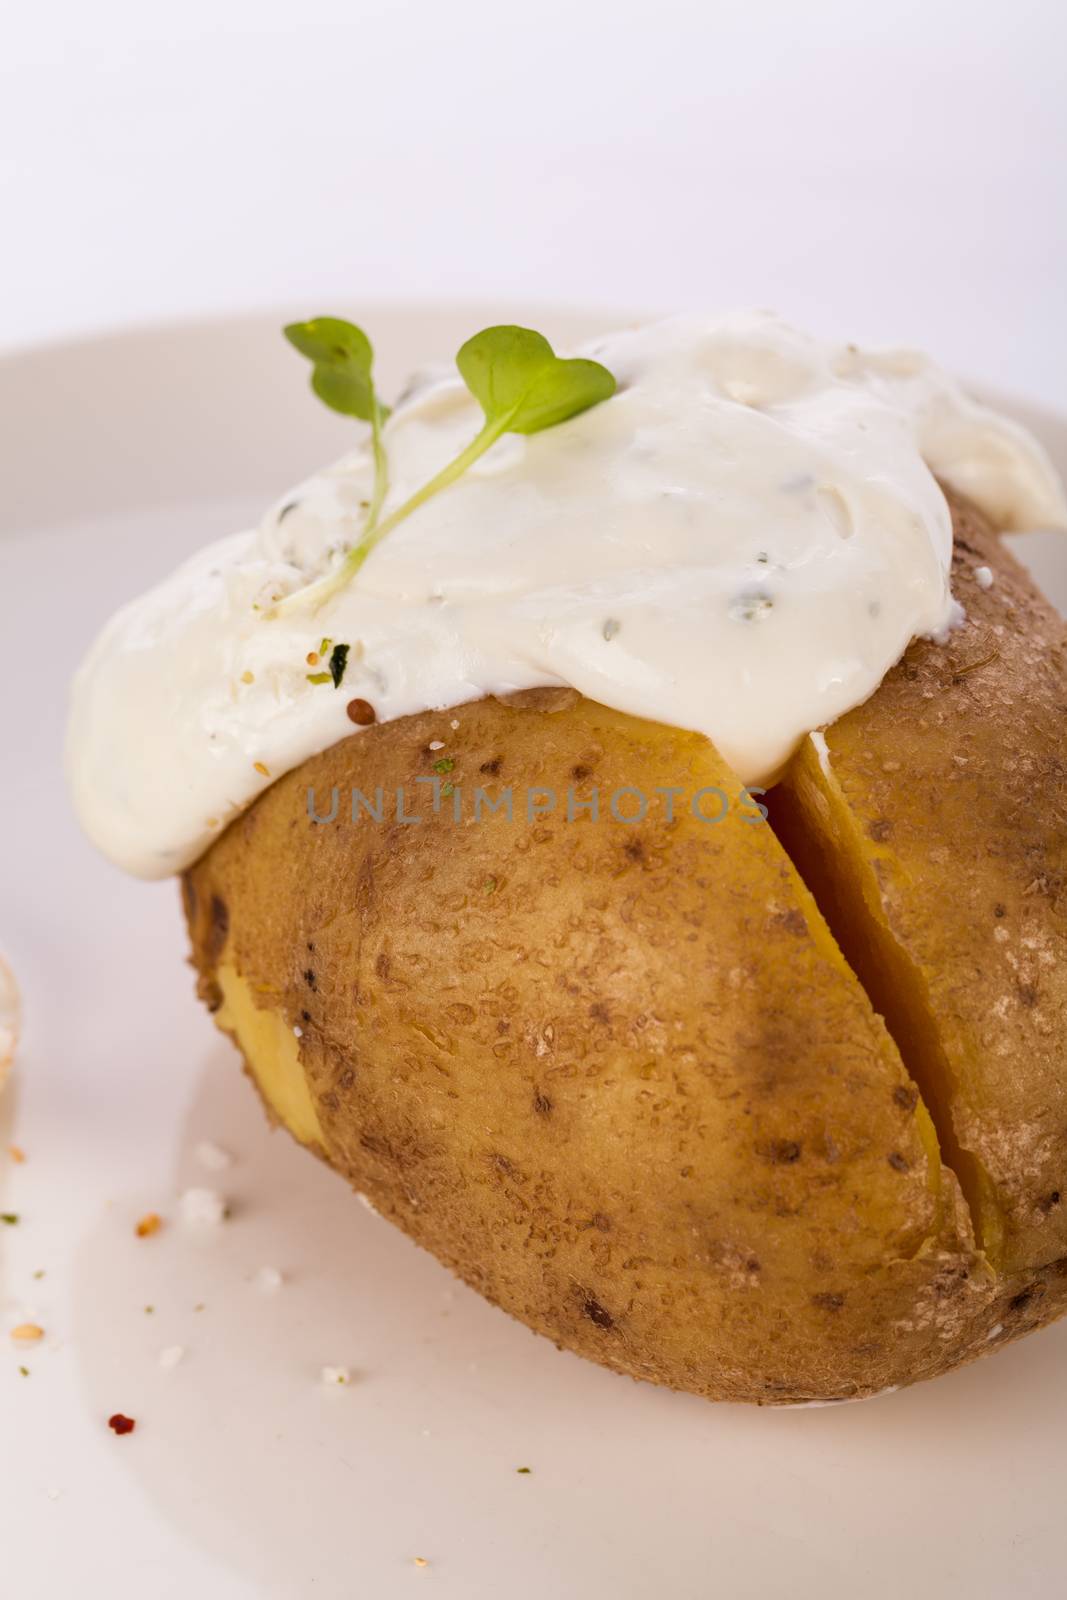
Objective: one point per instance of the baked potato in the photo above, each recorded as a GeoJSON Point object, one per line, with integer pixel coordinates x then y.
{"type": "Point", "coordinates": [773, 1112]}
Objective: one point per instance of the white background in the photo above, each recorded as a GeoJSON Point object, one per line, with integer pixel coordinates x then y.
{"type": "Point", "coordinates": [892, 171]}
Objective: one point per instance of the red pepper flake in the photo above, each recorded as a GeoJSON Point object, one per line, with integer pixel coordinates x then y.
{"type": "Point", "coordinates": [149, 1225]}
{"type": "Point", "coordinates": [120, 1424]}
{"type": "Point", "coordinates": [17, 1155]}
{"type": "Point", "coordinates": [361, 712]}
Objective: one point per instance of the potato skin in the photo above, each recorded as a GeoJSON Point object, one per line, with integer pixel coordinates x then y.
{"type": "Point", "coordinates": [619, 1078]}
{"type": "Point", "coordinates": [948, 789]}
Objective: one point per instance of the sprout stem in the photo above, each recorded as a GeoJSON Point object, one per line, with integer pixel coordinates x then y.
{"type": "Point", "coordinates": [317, 594]}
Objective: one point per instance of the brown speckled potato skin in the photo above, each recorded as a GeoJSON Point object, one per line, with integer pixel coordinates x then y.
{"type": "Point", "coordinates": [955, 777]}
{"type": "Point", "coordinates": [619, 1078]}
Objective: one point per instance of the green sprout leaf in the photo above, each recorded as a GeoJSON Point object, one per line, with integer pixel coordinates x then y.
{"type": "Point", "coordinates": [342, 376]}
{"type": "Point", "coordinates": [342, 358]}
{"type": "Point", "coordinates": [521, 385]}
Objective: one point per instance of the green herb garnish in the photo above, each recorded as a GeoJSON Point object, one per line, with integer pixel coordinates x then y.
{"type": "Point", "coordinates": [335, 668]}
{"type": "Point", "coordinates": [523, 386]}
{"type": "Point", "coordinates": [338, 663]}
{"type": "Point", "coordinates": [341, 375]}
{"type": "Point", "coordinates": [514, 374]}
{"type": "Point", "coordinates": [25, 1371]}
{"type": "Point", "coordinates": [10, 1217]}
{"type": "Point", "coordinates": [444, 765]}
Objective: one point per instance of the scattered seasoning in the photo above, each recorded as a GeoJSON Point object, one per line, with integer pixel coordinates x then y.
{"type": "Point", "coordinates": [447, 790]}
{"type": "Point", "coordinates": [336, 1375]}
{"type": "Point", "coordinates": [983, 577]}
{"type": "Point", "coordinates": [269, 1279]}
{"type": "Point", "coordinates": [248, 677]}
{"type": "Point", "coordinates": [120, 1424]}
{"type": "Point", "coordinates": [17, 1155]}
{"type": "Point", "coordinates": [338, 663]}
{"type": "Point", "coordinates": [39, 1273]}
{"type": "Point", "coordinates": [361, 712]}
{"type": "Point", "coordinates": [149, 1225]}
{"type": "Point", "coordinates": [261, 769]}
{"type": "Point", "coordinates": [171, 1356]}
{"type": "Point", "coordinates": [10, 1218]}
{"type": "Point", "coordinates": [203, 1206]}
{"type": "Point", "coordinates": [25, 1371]}
{"type": "Point", "coordinates": [313, 658]}
{"type": "Point", "coordinates": [27, 1333]}
{"type": "Point", "coordinates": [324, 646]}
{"type": "Point", "coordinates": [523, 1469]}
{"type": "Point", "coordinates": [611, 628]}
{"type": "Point", "coordinates": [752, 606]}
{"type": "Point", "coordinates": [318, 677]}
{"type": "Point", "coordinates": [489, 885]}
{"type": "Point", "coordinates": [149, 1311]}
{"type": "Point", "coordinates": [444, 765]}
{"type": "Point", "coordinates": [421, 1561]}
{"type": "Point", "coordinates": [454, 724]}
{"type": "Point", "coordinates": [436, 744]}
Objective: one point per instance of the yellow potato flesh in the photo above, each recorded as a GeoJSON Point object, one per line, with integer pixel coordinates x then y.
{"type": "Point", "coordinates": [933, 831]}
{"type": "Point", "coordinates": [633, 1083]}
{"type": "Point", "coordinates": [270, 1048]}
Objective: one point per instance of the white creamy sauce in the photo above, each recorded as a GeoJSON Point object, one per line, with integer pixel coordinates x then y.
{"type": "Point", "coordinates": [741, 542]}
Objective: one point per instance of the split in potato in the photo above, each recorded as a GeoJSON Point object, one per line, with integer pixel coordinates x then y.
{"type": "Point", "coordinates": [628, 1082]}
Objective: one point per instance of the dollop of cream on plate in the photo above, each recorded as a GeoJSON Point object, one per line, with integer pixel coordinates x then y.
{"type": "Point", "coordinates": [742, 541]}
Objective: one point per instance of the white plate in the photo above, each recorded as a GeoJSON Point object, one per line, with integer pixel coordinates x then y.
{"type": "Point", "coordinates": [245, 1477]}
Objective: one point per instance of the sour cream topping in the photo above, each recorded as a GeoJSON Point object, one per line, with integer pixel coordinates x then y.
{"type": "Point", "coordinates": [742, 541]}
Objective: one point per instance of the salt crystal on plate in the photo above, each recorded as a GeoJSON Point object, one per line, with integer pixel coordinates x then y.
{"type": "Point", "coordinates": [203, 1206]}
{"type": "Point", "coordinates": [212, 1157]}
{"type": "Point", "coordinates": [336, 1375]}
{"type": "Point", "coordinates": [169, 1358]}
{"type": "Point", "coordinates": [269, 1279]}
